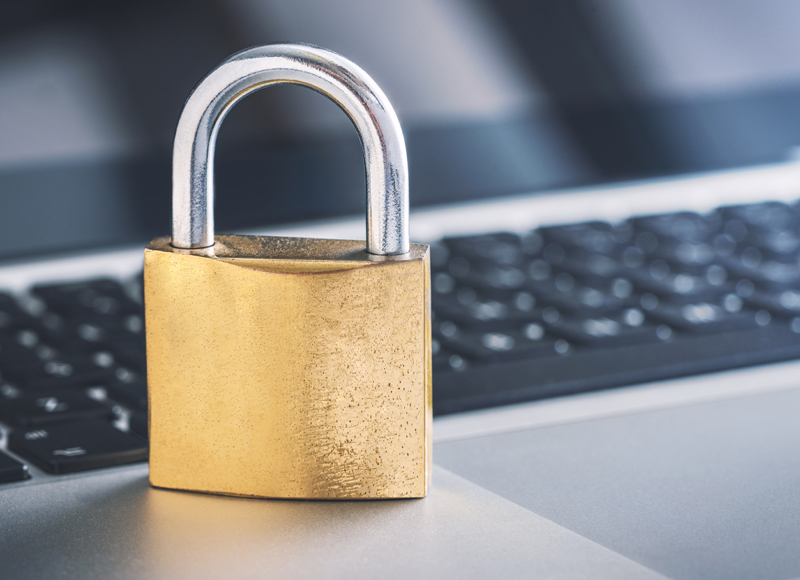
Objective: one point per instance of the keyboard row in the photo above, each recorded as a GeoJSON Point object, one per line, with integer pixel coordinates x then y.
{"type": "Point", "coordinates": [73, 446]}
{"type": "Point", "coordinates": [555, 290]}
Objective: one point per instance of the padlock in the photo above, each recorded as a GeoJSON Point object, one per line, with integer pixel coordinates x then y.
{"type": "Point", "coordinates": [289, 367]}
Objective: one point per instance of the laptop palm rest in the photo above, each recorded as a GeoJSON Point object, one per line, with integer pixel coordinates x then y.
{"type": "Point", "coordinates": [115, 525]}
{"type": "Point", "coordinates": [699, 491]}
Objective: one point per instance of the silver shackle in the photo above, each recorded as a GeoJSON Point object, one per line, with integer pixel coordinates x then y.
{"type": "Point", "coordinates": [324, 71]}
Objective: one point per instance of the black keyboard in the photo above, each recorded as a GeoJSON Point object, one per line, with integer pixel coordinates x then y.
{"type": "Point", "coordinates": [73, 395]}
{"type": "Point", "coordinates": [587, 306]}
{"type": "Point", "coordinates": [553, 311]}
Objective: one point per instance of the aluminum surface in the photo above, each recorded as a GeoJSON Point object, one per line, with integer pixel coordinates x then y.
{"type": "Point", "coordinates": [704, 491]}
{"type": "Point", "coordinates": [112, 525]}
{"type": "Point", "coordinates": [324, 71]}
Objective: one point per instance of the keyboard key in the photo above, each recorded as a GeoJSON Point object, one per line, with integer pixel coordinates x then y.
{"type": "Point", "coordinates": [137, 423]}
{"type": "Point", "coordinates": [564, 292]}
{"type": "Point", "coordinates": [766, 273]}
{"type": "Point", "coordinates": [29, 371]}
{"type": "Point", "coordinates": [780, 245]}
{"type": "Point", "coordinates": [529, 342]}
{"type": "Point", "coordinates": [71, 447]}
{"type": "Point", "coordinates": [630, 327]}
{"type": "Point", "coordinates": [12, 316]}
{"type": "Point", "coordinates": [596, 237]}
{"type": "Point", "coordinates": [704, 317]}
{"type": "Point", "coordinates": [95, 297]}
{"type": "Point", "coordinates": [490, 314]}
{"type": "Point", "coordinates": [12, 470]}
{"type": "Point", "coordinates": [662, 280]}
{"type": "Point", "coordinates": [767, 215]}
{"type": "Point", "coordinates": [785, 304]}
{"type": "Point", "coordinates": [89, 334]}
{"type": "Point", "coordinates": [16, 339]}
{"type": "Point", "coordinates": [688, 257]}
{"type": "Point", "coordinates": [446, 360]}
{"type": "Point", "coordinates": [66, 405]}
{"type": "Point", "coordinates": [681, 226]}
{"type": "Point", "coordinates": [132, 395]}
{"type": "Point", "coordinates": [131, 356]}
{"type": "Point", "coordinates": [499, 282]}
{"type": "Point", "coordinates": [504, 249]}
{"type": "Point", "coordinates": [593, 267]}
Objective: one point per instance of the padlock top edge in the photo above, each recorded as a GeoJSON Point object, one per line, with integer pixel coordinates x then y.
{"type": "Point", "coordinates": [234, 247]}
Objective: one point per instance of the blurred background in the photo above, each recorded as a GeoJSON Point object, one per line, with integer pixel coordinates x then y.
{"type": "Point", "coordinates": [496, 97]}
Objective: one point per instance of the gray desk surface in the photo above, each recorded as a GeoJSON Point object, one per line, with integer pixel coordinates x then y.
{"type": "Point", "coordinates": [116, 526]}
{"type": "Point", "coordinates": [702, 491]}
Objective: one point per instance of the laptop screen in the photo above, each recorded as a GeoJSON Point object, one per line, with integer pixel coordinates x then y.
{"type": "Point", "coordinates": [496, 97]}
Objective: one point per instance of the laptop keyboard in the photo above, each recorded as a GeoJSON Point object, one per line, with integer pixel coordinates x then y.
{"type": "Point", "coordinates": [73, 393]}
{"type": "Point", "coordinates": [516, 317]}
{"type": "Point", "coordinates": [586, 306]}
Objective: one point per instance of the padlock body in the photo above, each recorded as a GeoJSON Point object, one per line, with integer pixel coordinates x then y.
{"type": "Point", "coordinates": [288, 368]}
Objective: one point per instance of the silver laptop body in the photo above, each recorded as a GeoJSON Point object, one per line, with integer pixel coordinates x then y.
{"type": "Point", "coordinates": [688, 478]}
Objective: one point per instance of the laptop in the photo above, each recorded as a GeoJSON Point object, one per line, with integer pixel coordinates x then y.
{"type": "Point", "coordinates": [615, 367]}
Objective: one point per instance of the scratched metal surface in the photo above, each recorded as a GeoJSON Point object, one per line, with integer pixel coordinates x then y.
{"type": "Point", "coordinates": [302, 374]}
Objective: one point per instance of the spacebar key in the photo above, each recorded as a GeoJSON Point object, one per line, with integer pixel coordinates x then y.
{"type": "Point", "coordinates": [70, 447]}
{"type": "Point", "coordinates": [11, 469]}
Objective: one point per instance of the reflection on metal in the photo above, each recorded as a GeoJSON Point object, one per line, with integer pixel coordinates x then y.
{"type": "Point", "coordinates": [324, 71]}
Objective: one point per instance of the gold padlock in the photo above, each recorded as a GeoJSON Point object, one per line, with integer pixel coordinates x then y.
{"type": "Point", "coordinates": [289, 367]}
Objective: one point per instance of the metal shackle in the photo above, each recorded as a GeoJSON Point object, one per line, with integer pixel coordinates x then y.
{"type": "Point", "coordinates": [331, 74]}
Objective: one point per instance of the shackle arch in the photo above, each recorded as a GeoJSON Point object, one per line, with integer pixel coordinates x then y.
{"type": "Point", "coordinates": [326, 72]}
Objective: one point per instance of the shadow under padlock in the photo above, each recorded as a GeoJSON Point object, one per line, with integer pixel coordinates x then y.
{"type": "Point", "coordinates": [289, 367]}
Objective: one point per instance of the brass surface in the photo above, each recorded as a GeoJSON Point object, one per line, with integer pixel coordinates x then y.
{"type": "Point", "coordinates": [289, 368]}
